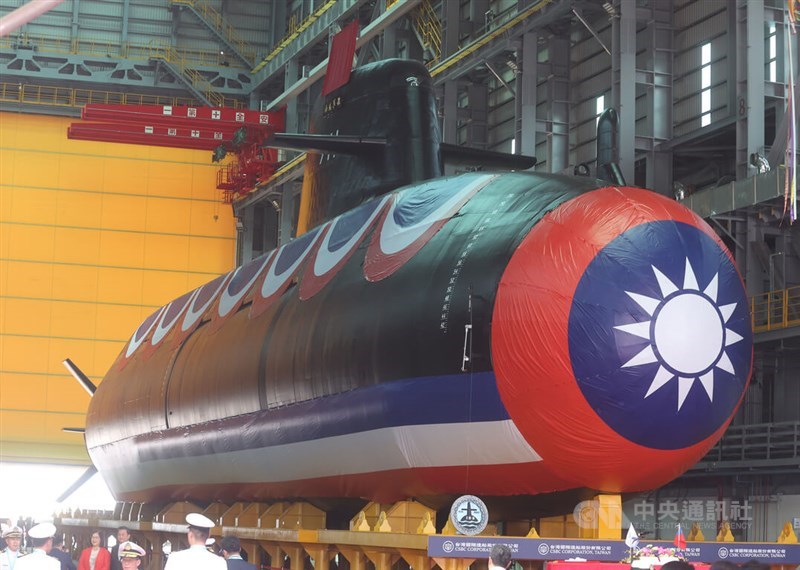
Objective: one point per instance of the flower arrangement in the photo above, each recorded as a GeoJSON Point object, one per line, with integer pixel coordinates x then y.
{"type": "Point", "coordinates": [649, 556]}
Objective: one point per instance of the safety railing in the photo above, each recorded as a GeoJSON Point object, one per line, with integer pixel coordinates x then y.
{"type": "Point", "coordinates": [757, 442]}
{"type": "Point", "coordinates": [775, 309]}
{"type": "Point", "coordinates": [68, 97]}
{"type": "Point", "coordinates": [134, 51]}
{"type": "Point", "coordinates": [214, 19]}
{"type": "Point", "coordinates": [295, 31]}
{"type": "Point", "coordinates": [498, 26]}
{"type": "Point", "coordinates": [192, 76]}
{"type": "Point", "coordinates": [429, 28]}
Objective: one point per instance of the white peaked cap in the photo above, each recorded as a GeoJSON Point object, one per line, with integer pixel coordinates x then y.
{"type": "Point", "coordinates": [130, 550]}
{"type": "Point", "coordinates": [42, 530]}
{"type": "Point", "coordinates": [198, 520]}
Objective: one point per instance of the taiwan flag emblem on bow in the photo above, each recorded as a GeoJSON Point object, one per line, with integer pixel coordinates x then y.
{"type": "Point", "coordinates": [680, 540]}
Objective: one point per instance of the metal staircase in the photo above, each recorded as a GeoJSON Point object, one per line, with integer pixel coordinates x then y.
{"type": "Point", "coordinates": [192, 79]}
{"type": "Point", "coordinates": [220, 27]}
{"type": "Point", "coordinates": [428, 29]}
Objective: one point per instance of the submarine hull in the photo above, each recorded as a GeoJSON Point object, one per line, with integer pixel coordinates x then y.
{"type": "Point", "coordinates": [494, 334]}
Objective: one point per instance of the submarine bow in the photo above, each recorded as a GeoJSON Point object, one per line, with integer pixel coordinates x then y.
{"type": "Point", "coordinates": [492, 334]}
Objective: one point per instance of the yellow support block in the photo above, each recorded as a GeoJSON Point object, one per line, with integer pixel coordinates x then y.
{"type": "Point", "coordinates": [382, 525]}
{"type": "Point", "coordinates": [696, 534]}
{"type": "Point", "coordinates": [356, 558]}
{"type": "Point", "coordinates": [454, 563]}
{"type": "Point", "coordinates": [406, 516]}
{"type": "Point", "coordinates": [382, 559]}
{"type": "Point", "coordinates": [319, 554]}
{"type": "Point", "coordinates": [532, 533]}
{"type": "Point", "coordinates": [725, 534]}
{"type": "Point", "coordinates": [787, 535]}
{"type": "Point", "coordinates": [303, 516]}
{"type": "Point", "coordinates": [609, 520]}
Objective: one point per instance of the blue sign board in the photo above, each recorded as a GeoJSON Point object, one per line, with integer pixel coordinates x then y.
{"type": "Point", "coordinates": [606, 550]}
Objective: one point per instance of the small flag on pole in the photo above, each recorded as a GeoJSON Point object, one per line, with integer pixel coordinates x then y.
{"type": "Point", "coordinates": [680, 540]}
{"type": "Point", "coordinates": [632, 540]}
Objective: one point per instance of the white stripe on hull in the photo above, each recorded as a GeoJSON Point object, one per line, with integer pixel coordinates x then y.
{"type": "Point", "coordinates": [404, 447]}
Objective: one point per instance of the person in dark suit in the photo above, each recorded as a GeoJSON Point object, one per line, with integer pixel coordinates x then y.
{"type": "Point", "coordinates": [231, 550]}
{"type": "Point", "coordinates": [62, 555]}
{"type": "Point", "coordinates": [500, 557]}
{"type": "Point", "coordinates": [123, 535]}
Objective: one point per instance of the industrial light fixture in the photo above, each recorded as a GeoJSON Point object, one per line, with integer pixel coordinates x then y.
{"type": "Point", "coordinates": [581, 169]}
{"type": "Point", "coordinates": [678, 190]}
{"type": "Point", "coordinates": [219, 153]}
{"type": "Point", "coordinates": [760, 162]}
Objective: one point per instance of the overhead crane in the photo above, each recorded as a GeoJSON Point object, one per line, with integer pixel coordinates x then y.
{"type": "Point", "coordinates": [221, 130]}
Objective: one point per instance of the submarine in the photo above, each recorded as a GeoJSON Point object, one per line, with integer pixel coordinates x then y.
{"type": "Point", "coordinates": [498, 332]}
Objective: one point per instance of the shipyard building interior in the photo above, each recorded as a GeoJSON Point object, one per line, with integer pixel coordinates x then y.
{"type": "Point", "coordinates": [95, 236]}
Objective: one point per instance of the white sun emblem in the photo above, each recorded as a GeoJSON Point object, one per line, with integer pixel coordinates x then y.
{"type": "Point", "coordinates": [687, 334]}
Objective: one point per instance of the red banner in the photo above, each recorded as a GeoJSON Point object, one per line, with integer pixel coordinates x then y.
{"type": "Point", "coordinates": [340, 62]}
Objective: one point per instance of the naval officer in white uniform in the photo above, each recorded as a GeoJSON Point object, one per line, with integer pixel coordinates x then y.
{"type": "Point", "coordinates": [9, 555]}
{"type": "Point", "coordinates": [41, 537]}
{"type": "Point", "coordinates": [196, 557]}
{"type": "Point", "coordinates": [130, 555]}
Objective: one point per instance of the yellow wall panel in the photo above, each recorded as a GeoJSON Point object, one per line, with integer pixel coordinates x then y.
{"type": "Point", "coordinates": [193, 281]}
{"type": "Point", "coordinates": [6, 168]}
{"type": "Point", "coordinates": [24, 354]}
{"type": "Point", "coordinates": [33, 168]}
{"type": "Point", "coordinates": [166, 251]}
{"type": "Point", "coordinates": [6, 195]}
{"type": "Point", "coordinates": [21, 426]}
{"type": "Point", "coordinates": [123, 212]}
{"type": "Point", "coordinates": [92, 237]}
{"type": "Point", "coordinates": [73, 319]}
{"type": "Point", "coordinates": [64, 394]}
{"type": "Point", "coordinates": [205, 253]}
{"type": "Point", "coordinates": [28, 279]}
{"type": "Point", "coordinates": [174, 173]}
{"type": "Point", "coordinates": [159, 288]}
{"type": "Point", "coordinates": [204, 220]}
{"type": "Point", "coordinates": [8, 135]}
{"type": "Point", "coordinates": [76, 245]}
{"type": "Point", "coordinates": [79, 172]}
{"type": "Point", "coordinates": [128, 151]}
{"type": "Point", "coordinates": [77, 350]}
{"type": "Point", "coordinates": [16, 390]}
{"type": "Point", "coordinates": [25, 316]}
{"type": "Point", "coordinates": [170, 216]}
{"type": "Point", "coordinates": [33, 206]}
{"type": "Point", "coordinates": [117, 321]}
{"type": "Point", "coordinates": [81, 209]}
{"type": "Point", "coordinates": [30, 242]}
{"type": "Point", "coordinates": [125, 176]}
{"type": "Point", "coordinates": [36, 133]}
{"type": "Point", "coordinates": [121, 249]}
{"type": "Point", "coordinates": [119, 285]}
{"type": "Point", "coordinates": [202, 191]}
{"type": "Point", "coordinates": [75, 282]}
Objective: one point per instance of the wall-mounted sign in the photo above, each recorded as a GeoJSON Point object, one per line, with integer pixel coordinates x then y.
{"type": "Point", "coordinates": [469, 515]}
